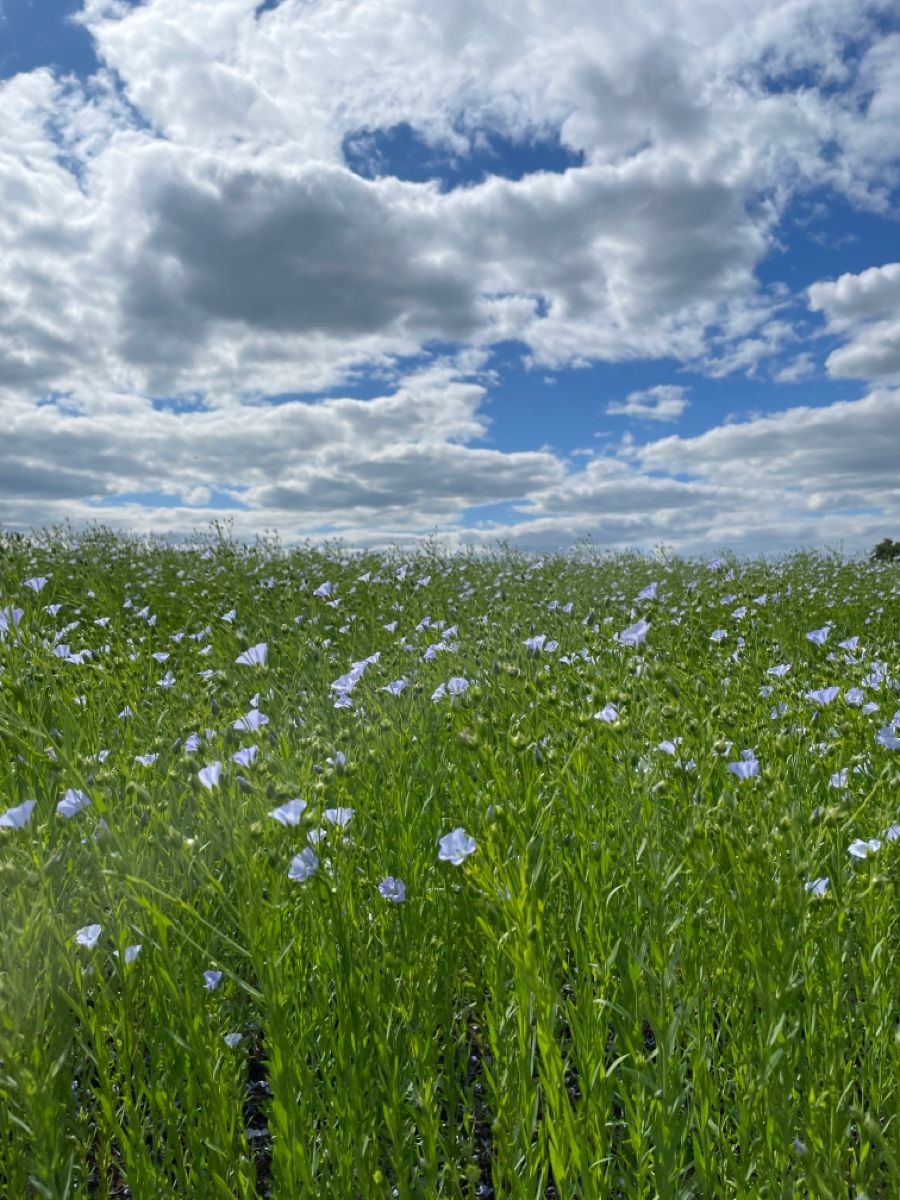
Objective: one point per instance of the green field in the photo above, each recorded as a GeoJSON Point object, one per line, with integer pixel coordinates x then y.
{"type": "Point", "coordinates": [659, 957]}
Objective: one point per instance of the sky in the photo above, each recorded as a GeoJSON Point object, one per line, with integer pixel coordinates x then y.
{"type": "Point", "coordinates": [543, 272]}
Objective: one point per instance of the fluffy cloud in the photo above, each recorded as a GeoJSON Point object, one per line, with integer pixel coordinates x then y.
{"type": "Point", "coordinates": [865, 310]}
{"type": "Point", "coordinates": [398, 459]}
{"type": "Point", "coordinates": [813, 459]}
{"type": "Point", "coordinates": [665, 402]}
{"type": "Point", "coordinates": [805, 474]}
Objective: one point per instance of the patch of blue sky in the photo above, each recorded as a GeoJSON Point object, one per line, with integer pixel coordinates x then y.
{"type": "Point", "coordinates": [401, 152]}
{"type": "Point", "coordinates": [565, 409]}
{"type": "Point", "coordinates": [361, 386]}
{"type": "Point", "coordinates": [739, 397]}
{"type": "Point", "coordinates": [60, 400]}
{"type": "Point", "coordinates": [156, 499]}
{"type": "Point", "coordinates": [821, 237]}
{"type": "Point", "coordinates": [482, 516]}
{"type": "Point", "coordinates": [188, 403]}
{"type": "Point", "coordinates": [41, 33]}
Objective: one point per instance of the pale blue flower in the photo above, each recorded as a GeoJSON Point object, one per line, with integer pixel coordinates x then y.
{"type": "Point", "coordinates": [393, 889]}
{"type": "Point", "coordinates": [337, 816]}
{"type": "Point", "coordinates": [818, 887]}
{"type": "Point", "coordinates": [534, 645]}
{"type": "Point", "coordinates": [303, 865]}
{"type": "Point", "coordinates": [19, 816]}
{"type": "Point", "coordinates": [209, 776]}
{"type": "Point", "coordinates": [781, 669]}
{"type": "Point", "coordinates": [88, 935]}
{"type": "Point", "coordinates": [245, 756]}
{"type": "Point", "coordinates": [254, 657]}
{"type": "Point", "coordinates": [251, 721]}
{"type": "Point", "coordinates": [634, 634]}
{"type": "Point", "coordinates": [455, 847]}
{"type": "Point", "coordinates": [855, 696]}
{"type": "Point", "coordinates": [456, 686]}
{"type": "Point", "coordinates": [648, 593]}
{"type": "Point", "coordinates": [822, 695]}
{"type": "Point", "coordinates": [211, 980]}
{"type": "Point", "coordinates": [72, 803]}
{"type": "Point", "coordinates": [887, 737]}
{"type": "Point", "coordinates": [609, 714]}
{"type": "Point", "coordinates": [36, 583]}
{"type": "Point", "coordinates": [718, 635]}
{"type": "Point", "coordinates": [819, 636]}
{"type": "Point", "coordinates": [747, 768]}
{"type": "Point", "coordinates": [862, 849]}
{"type": "Point", "coordinates": [10, 618]}
{"type": "Point", "coordinates": [396, 687]}
{"type": "Point", "coordinates": [289, 813]}
{"type": "Point", "coordinates": [146, 760]}
{"type": "Point", "coordinates": [232, 1040]}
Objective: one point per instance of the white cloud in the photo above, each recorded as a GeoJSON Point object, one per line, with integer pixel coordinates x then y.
{"type": "Point", "coordinates": [836, 454]}
{"type": "Point", "coordinates": [865, 310]}
{"type": "Point", "coordinates": [665, 402]}
{"type": "Point", "coordinates": [771, 482]}
{"type": "Point", "coordinates": [797, 369]}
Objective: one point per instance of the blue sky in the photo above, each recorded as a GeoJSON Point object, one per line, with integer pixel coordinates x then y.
{"type": "Point", "coordinates": [40, 33]}
{"type": "Point", "coordinates": [538, 275]}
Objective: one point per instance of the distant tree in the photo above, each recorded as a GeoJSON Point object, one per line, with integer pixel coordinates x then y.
{"type": "Point", "coordinates": [886, 551]}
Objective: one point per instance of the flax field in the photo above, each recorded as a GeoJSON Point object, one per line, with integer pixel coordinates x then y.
{"type": "Point", "coordinates": [423, 874]}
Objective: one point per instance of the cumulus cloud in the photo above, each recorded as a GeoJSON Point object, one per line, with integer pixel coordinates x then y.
{"type": "Point", "coordinates": [863, 309]}
{"type": "Point", "coordinates": [836, 455]}
{"type": "Point", "coordinates": [665, 402]}
{"type": "Point", "coordinates": [805, 474]}
{"type": "Point", "coordinates": [399, 458]}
